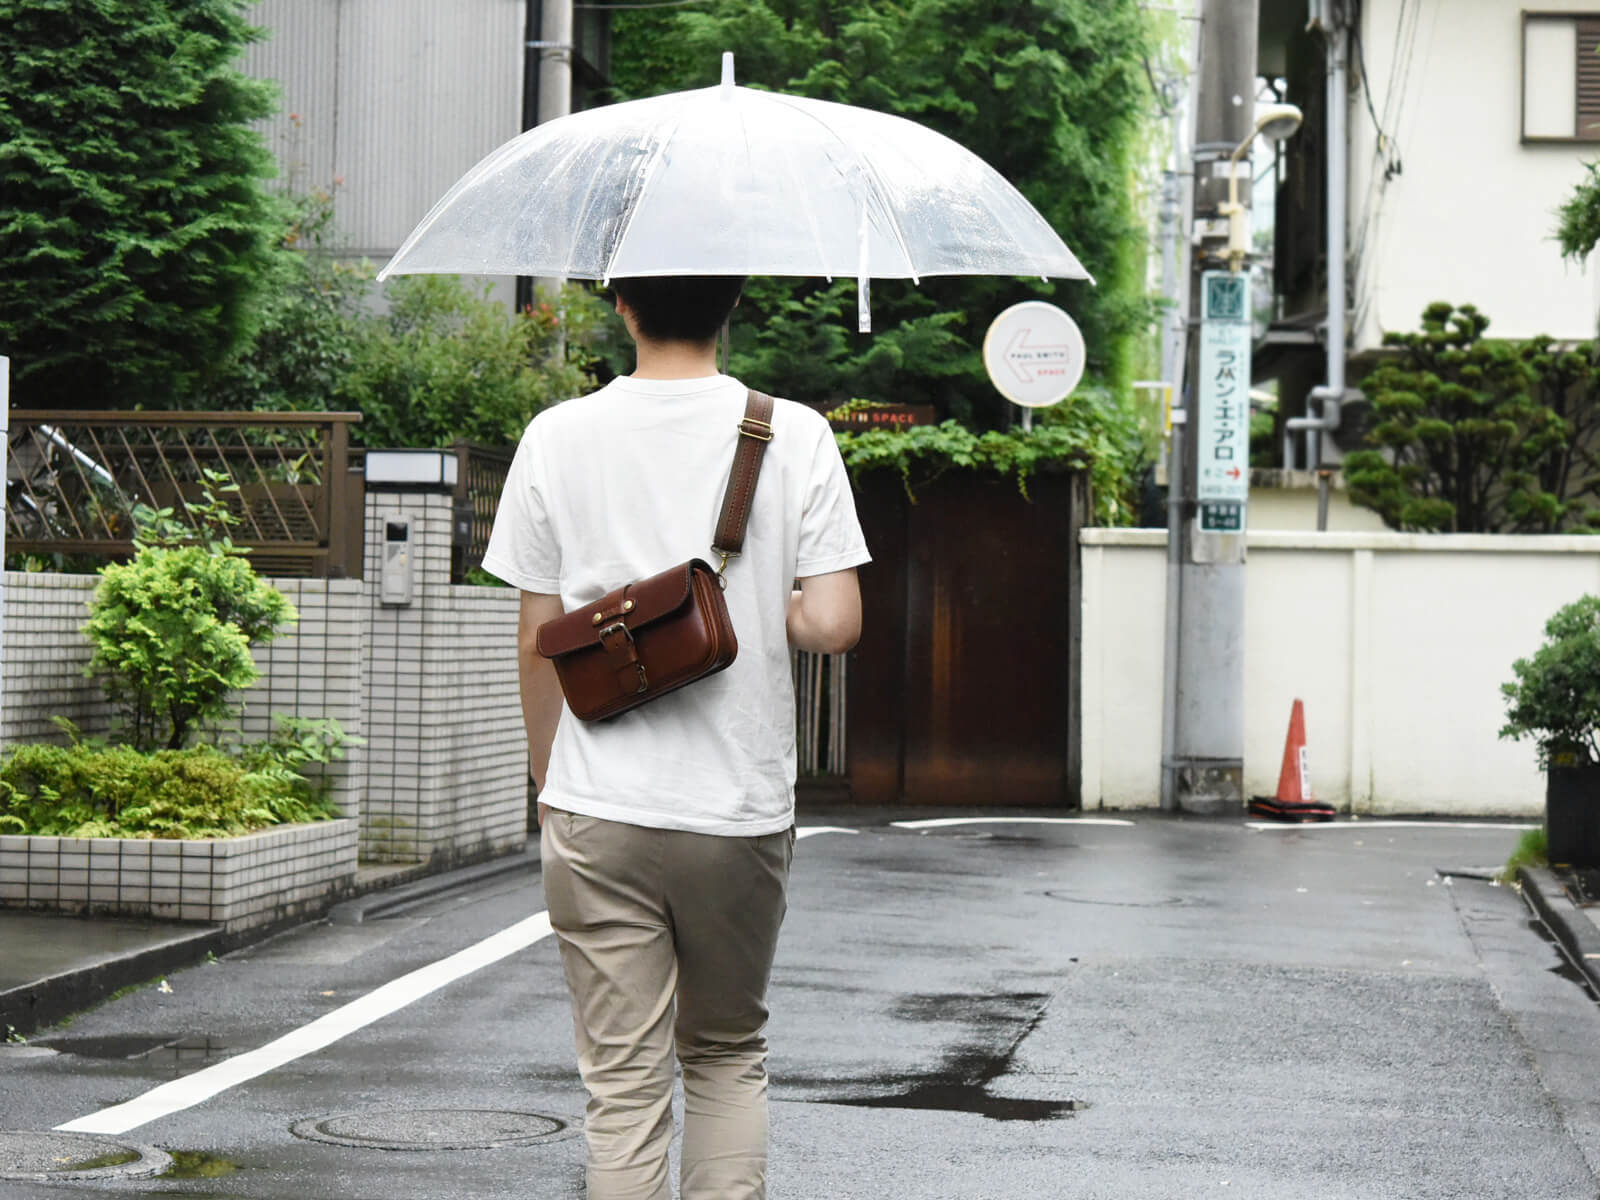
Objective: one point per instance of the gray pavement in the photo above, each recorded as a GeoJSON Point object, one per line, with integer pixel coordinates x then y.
{"type": "Point", "coordinates": [1169, 1008]}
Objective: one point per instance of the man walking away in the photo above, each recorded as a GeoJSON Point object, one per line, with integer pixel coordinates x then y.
{"type": "Point", "coordinates": [667, 832]}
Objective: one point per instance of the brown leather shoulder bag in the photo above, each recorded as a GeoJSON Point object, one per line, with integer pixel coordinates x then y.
{"type": "Point", "coordinates": [651, 637]}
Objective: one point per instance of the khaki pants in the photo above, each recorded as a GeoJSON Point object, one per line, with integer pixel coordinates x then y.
{"type": "Point", "coordinates": [667, 940]}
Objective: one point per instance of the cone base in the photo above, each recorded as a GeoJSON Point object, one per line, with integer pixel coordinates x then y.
{"type": "Point", "coordinates": [1283, 810]}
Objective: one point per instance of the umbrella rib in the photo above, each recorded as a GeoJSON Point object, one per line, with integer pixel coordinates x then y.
{"type": "Point", "coordinates": [643, 181]}
{"type": "Point", "coordinates": [867, 170]}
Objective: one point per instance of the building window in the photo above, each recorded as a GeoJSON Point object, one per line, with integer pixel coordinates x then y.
{"type": "Point", "coordinates": [1560, 77]}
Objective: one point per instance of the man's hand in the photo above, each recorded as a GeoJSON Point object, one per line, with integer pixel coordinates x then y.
{"type": "Point", "coordinates": [541, 691]}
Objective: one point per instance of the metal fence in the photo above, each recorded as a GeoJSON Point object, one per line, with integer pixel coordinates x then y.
{"type": "Point", "coordinates": [820, 693]}
{"type": "Point", "coordinates": [74, 481]}
{"type": "Point", "coordinates": [480, 477]}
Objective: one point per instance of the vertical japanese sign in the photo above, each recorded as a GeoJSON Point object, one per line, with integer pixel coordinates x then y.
{"type": "Point", "coordinates": [1222, 482]}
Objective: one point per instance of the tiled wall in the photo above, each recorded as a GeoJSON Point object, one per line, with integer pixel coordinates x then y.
{"type": "Point", "coordinates": [45, 655]}
{"type": "Point", "coordinates": [446, 754]}
{"type": "Point", "coordinates": [312, 669]}
{"type": "Point", "coordinates": [431, 686]}
{"type": "Point", "coordinates": [237, 883]}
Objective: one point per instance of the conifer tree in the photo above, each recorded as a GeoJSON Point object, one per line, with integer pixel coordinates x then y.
{"type": "Point", "coordinates": [135, 231]}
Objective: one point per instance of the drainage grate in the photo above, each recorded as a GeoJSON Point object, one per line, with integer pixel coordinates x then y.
{"type": "Point", "coordinates": [42, 1156]}
{"type": "Point", "coordinates": [436, 1129]}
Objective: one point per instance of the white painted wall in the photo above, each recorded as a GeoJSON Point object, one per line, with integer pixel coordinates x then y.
{"type": "Point", "coordinates": [1397, 643]}
{"type": "Point", "coordinates": [1470, 219]}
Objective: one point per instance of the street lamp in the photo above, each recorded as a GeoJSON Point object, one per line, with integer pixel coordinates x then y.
{"type": "Point", "coordinates": [1273, 122]}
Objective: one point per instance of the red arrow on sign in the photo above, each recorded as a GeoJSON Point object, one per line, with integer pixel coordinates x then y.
{"type": "Point", "coordinates": [1233, 474]}
{"type": "Point", "coordinates": [1019, 354]}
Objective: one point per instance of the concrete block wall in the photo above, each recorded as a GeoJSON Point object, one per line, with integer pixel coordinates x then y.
{"type": "Point", "coordinates": [446, 754]}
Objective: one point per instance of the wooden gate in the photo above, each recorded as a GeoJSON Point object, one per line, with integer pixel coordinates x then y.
{"type": "Point", "coordinates": [963, 689]}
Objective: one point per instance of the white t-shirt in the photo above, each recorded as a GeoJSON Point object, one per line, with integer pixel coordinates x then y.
{"type": "Point", "coordinates": [624, 483]}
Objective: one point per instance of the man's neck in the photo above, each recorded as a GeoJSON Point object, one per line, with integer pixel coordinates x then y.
{"type": "Point", "coordinates": [675, 360]}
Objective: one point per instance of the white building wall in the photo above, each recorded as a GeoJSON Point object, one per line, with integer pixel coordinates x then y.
{"type": "Point", "coordinates": [1470, 218]}
{"type": "Point", "coordinates": [1397, 643]}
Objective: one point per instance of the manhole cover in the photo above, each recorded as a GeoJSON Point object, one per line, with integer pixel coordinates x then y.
{"type": "Point", "coordinates": [435, 1129]}
{"type": "Point", "coordinates": [42, 1156]}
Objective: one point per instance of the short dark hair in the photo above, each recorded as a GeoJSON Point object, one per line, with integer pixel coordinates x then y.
{"type": "Point", "coordinates": [680, 308]}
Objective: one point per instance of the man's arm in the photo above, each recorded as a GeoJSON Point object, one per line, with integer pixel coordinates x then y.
{"type": "Point", "coordinates": [825, 614]}
{"type": "Point", "coordinates": [541, 692]}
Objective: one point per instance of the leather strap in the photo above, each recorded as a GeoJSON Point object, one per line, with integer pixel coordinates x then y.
{"type": "Point", "coordinates": [755, 431]}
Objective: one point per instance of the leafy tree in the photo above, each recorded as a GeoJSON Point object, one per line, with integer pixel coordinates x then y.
{"type": "Point", "coordinates": [1050, 92]}
{"type": "Point", "coordinates": [1472, 435]}
{"type": "Point", "coordinates": [448, 362]}
{"type": "Point", "coordinates": [312, 312]}
{"type": "Point", "coordinates": [134, 229]}
{"type": "Point", "coordinates": [443, 361]}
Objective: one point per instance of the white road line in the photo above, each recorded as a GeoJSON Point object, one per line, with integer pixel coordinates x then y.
{"type": "Point", "coordinates": [812, 830]}
{"type": "Point", "coordinates": [324, 1031]}
{"type": "Point", "coordinates": [1386, 825]}
{"type": "Point", "coordinates": [941, 822]}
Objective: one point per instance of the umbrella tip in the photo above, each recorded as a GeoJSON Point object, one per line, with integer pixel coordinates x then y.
{"type": "Point", "coordinates": [727, 70]}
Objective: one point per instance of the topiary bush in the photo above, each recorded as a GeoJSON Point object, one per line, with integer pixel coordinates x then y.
{"type": "Point", "coordinates": [1555, 698]}
{"type": "Point", "coordinates": [172, 629]}
{"type": "Point", "coordinates": [172, 632]}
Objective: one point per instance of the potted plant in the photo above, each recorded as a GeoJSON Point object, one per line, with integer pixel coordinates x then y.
{"type": "Point", "coordinates": [1555, 701]}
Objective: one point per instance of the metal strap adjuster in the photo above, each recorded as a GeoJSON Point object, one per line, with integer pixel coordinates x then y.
{"type": "Point", "coordinates": [760, 430]}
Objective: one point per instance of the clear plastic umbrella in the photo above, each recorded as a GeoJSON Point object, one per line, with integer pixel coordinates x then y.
{"type": "Point", "coordinates": [732, 181]}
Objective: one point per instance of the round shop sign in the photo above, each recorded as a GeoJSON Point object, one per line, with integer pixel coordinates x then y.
{"type": "Point", "coordinates": [1034, 354]}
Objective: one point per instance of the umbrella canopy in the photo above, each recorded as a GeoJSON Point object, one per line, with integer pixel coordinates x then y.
{"type": "Point", "coordinates": [731, 181]}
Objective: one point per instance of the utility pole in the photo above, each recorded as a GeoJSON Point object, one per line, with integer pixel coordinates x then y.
{"type": "Point", "coordinates": [1203, 764]}
{"type": "Point", "coordinates": [546, 89]}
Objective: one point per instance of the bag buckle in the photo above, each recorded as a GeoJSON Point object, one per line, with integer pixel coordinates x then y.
{"type": "Point", "coordinates": [611, 647]}
{"type": "Point", "coordinates": [760, 430]}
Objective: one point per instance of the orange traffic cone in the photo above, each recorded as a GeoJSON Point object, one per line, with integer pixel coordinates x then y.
{"type": "Point", "coordinates": [1293, 801]}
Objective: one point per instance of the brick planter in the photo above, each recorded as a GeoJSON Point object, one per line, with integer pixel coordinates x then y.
{"type": "Point", "coordinates": [256, 879]}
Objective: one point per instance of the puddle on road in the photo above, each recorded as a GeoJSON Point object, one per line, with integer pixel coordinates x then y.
{"type": "Point", "coordinates": [962, 1081]}
{"type": "Point", "coordinates": [968, 1097]}
{"type": "Point", "coordinates": [181, 1054]}
{"type": "Point", "coordinates": [114, 1159]}
{"type": "Point", "coordinates": [196, 1164]}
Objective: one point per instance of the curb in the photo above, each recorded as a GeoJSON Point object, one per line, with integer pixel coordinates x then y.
{"type": "Point", "coordinates": [388, 900]}
{"type": "Point", "coordinates": [41, 1003]}
{"type": "Point", "coordinates": [1578, 935]}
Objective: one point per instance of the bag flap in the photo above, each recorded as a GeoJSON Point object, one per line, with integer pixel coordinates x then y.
{"type": "Point", "coordinates": [635, 605]}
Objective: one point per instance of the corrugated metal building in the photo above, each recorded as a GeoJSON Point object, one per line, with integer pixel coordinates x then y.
{"type": "Point", "coordinates": [388, 102]}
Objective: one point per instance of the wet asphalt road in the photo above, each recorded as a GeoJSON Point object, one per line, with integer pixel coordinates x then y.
{"type": "Point", "coordinates": [1165, 1009]}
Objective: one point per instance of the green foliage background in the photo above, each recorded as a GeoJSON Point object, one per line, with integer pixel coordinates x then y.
{"type": "Point", "coordinates": [1468, 434]}
{"type": "Point", "coordinates": [1050, 92]}
{"type": "Point", "coordinates": [441, 362]}
{"type": "Point", "coordinates": [135, 232]}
